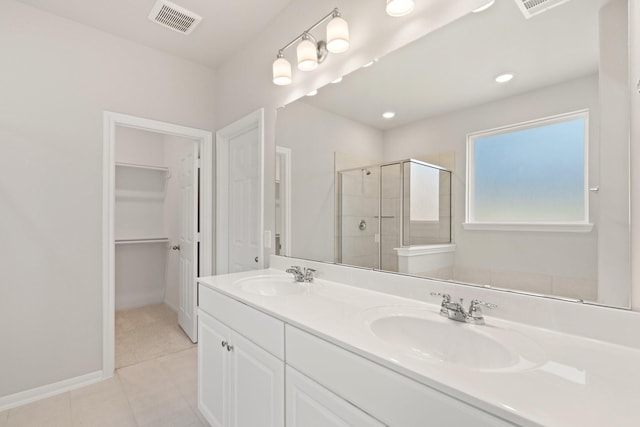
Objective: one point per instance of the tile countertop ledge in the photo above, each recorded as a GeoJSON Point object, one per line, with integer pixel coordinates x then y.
{"type": "Point", "coordinates": [582, 382]}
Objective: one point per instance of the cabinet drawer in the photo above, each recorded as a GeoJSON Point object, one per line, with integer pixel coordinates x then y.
{"type": "Point", "coordinates": [390, 397]}
{"type": "Point", "coordinates": [262, 329]}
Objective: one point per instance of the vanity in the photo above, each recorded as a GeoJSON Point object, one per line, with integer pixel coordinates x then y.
{"type": "Point", "coordinates": [346, 349]}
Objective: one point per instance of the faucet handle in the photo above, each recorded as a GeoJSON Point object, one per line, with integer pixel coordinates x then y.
{"type": "Point", "coordinates": [308, 274]}
{"type": "Point", "coordinates": [445, 297]}
{"type": "Point", "coordinates": [476, 303]}
{"type": "Point", "coordinates": [475, 313]}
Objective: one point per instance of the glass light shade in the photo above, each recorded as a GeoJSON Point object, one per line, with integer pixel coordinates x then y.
{"type": "Point", "coordinates": [281, 72]}
{"type": "Point", "coordinates": [337, 35]}
{"type": "Point", "coordinates": [399, 7]}
{"type": "Point", "coordinates": [307, 55]}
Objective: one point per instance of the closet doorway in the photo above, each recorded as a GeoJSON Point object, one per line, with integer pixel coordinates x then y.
{"type": "Point", "coordinates": [157, 235]}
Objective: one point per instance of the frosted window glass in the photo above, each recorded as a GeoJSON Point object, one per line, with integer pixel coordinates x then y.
{"type": "Point", "coordinates": [531, 175]}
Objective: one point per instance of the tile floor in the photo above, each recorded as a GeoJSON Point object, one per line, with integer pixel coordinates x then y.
{"type": "Point", "coordinates": [154, 384]}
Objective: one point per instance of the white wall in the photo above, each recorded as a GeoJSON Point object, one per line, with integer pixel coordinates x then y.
{"type": "Point", "coordinates": [487, 256]}
{"type": "Point", "coordinates": [613, 227]}
{"type": "Point", "coordinates": [58, 77]}
{"type": "Point", "coordinates": [634, 80]}
{"type": "Point", "coordinates": [314, 136]}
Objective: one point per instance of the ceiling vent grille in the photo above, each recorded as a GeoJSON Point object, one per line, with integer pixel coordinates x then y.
{"type": "Point", "coordinates": [175, 17]}
{"type": "Point", "coordinates": [530, 8]}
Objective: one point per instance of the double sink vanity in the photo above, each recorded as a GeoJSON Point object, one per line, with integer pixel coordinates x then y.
{"type": "Point", "coordinates": [361, 348]}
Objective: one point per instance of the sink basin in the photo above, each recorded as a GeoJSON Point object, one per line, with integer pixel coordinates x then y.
{"type": "Point", "coordinates": [423, 334]}
{"type": "Point", "coordinates": [270, 285]}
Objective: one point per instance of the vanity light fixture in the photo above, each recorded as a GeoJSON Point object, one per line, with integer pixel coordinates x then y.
{"type": "Point", "coordinates": [310, 51]}
{"type": "Point", "coordinates": [338, 80]}
{"type": "Point", "coordinates": [399, 7]}
{"type": "Point", "coordinates": [485, 7]}
{"type": "Point", "coordinates": [388, 114]}
{"type": "Point", "coordinates": [313, 92]}
{"type": "Point", "coordinates": [368, 64]}
{"type": "Point", "coordinates": [503, 78]}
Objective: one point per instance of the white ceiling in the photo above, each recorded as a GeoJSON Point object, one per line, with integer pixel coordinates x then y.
{"type": "Point", "coordinates": [226, 25]}
{"type": "Point", "coordinates": [455, 66]}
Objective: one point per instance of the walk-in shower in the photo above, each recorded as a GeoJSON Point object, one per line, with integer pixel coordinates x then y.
{"type": "Point", "coordinates": [383, 207]}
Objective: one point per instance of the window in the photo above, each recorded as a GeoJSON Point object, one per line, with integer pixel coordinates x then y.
{"type": "Point", "coordinates": [530, 176]}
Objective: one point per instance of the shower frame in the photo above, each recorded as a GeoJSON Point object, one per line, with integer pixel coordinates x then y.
{"type": "Point", "coordinates": [339, 216]}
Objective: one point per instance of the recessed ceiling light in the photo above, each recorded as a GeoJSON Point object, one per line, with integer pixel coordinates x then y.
{"type": "Point", "coordinates": [338, 80]}
{"type": "Point", "coordinates": [503, 78]}
{"type": "Point", "coordinates": [388, 114]}
{"type": "Point", "coordinates": [313, 93]}
{"type": "Point", "coordinates": [485, 7]}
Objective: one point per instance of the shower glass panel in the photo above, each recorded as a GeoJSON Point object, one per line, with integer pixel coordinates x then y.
{"type": "Point", "coordinates": [391, 213]}
{"type": "Point", "coordinates": [358, 217]}
{"type": "Point", "coordinates": [427, 205]}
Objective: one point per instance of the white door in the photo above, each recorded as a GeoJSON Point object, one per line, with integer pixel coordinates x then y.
{"type": "Point", "coordinates": [188, 269]}
{"type": "Point", "coordinates": [257, 381]}
{"type": "Point", "coordinates": [311, 405]}
{"type": "Point", "coordinates": [213, 371]}
{"type": "Point", "coordinates": [239, 197]}
{"type": "Point", "coordinates": [244, 223]}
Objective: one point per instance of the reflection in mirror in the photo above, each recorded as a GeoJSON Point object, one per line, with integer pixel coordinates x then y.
{"type": "Point", "coordinates": [363, 193]}
{"type": "Point", "coordinates": [383, 208]}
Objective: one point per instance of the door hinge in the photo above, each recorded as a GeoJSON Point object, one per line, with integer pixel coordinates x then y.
{"type": "Point", "coordinates": [197, 237]}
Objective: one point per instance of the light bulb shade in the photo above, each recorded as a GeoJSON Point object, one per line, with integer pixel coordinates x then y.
{"type": "Point", "coordinates": [337, 35]}
{"type": "Point", "coordinates": [307, 55]}
{"type": "Point", "coordinates": [281, 72]}
{"type": "Point", "coordinates": [399, 7]}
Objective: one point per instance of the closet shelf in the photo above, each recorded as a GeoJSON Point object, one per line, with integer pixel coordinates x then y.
{"type": "Point", "coordinates": [144, 240]}
{"type": "Point", "coordinates": [141, 182]}
{"type": "Point", "coordinates": [147, 167]}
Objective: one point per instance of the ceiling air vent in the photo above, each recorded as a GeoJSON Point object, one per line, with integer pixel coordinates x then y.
{"type": "Point", "coordinates": [175, 17]}
{"type": "Point", "coordinates": [532, 8]}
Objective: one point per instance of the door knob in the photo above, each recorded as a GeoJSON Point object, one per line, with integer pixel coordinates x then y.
{"type": "Point", "coordinates": [256, 259]}
{"type": "Point", "coordinates": [175, 248]}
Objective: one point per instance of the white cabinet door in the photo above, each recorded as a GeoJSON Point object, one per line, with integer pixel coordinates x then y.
{"type": "Point", "coordinates": [258, 385]}
{"type": "Point", "coordinates": [311, 405]}
{"type": "Point", "coordinates": [213, 371]}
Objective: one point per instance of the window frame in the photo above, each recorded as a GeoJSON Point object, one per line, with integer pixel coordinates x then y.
{"type": "Point", "coordinates": [471, 223]}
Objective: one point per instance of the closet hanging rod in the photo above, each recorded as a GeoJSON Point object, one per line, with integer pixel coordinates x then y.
{"type": "Point", "coordinates": [150, 240]}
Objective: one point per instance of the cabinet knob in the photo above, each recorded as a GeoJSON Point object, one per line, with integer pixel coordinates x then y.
{"type": "Point", "coordinates": [229, 347]}
{"type": "Point", "coordinates": [224, 343]}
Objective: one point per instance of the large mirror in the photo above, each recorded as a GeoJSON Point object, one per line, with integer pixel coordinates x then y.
{"type": "Point", "coordinates": [521, 184]}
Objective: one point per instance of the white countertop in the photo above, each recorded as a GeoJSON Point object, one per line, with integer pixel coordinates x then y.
{"type": "Point", "coordinates": [578, 382]}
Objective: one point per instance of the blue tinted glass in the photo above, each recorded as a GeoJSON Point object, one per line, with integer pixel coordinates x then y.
{"type": "Point", "coordinates": [533, 174]}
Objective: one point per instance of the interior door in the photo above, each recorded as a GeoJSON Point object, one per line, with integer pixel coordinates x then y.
{"type": "Point", "coordinates": [188, 270]}
{"type": "Point", "coordinates": [244, 199]}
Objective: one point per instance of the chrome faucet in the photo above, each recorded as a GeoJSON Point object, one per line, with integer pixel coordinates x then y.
{"type": "Point", "coordinates": [455, 310]}
{"type": "Point", "coordinates": [301, 275]}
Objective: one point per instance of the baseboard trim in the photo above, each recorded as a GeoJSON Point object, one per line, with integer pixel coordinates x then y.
{"type": "Point", "coordinates": [28, 396]}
